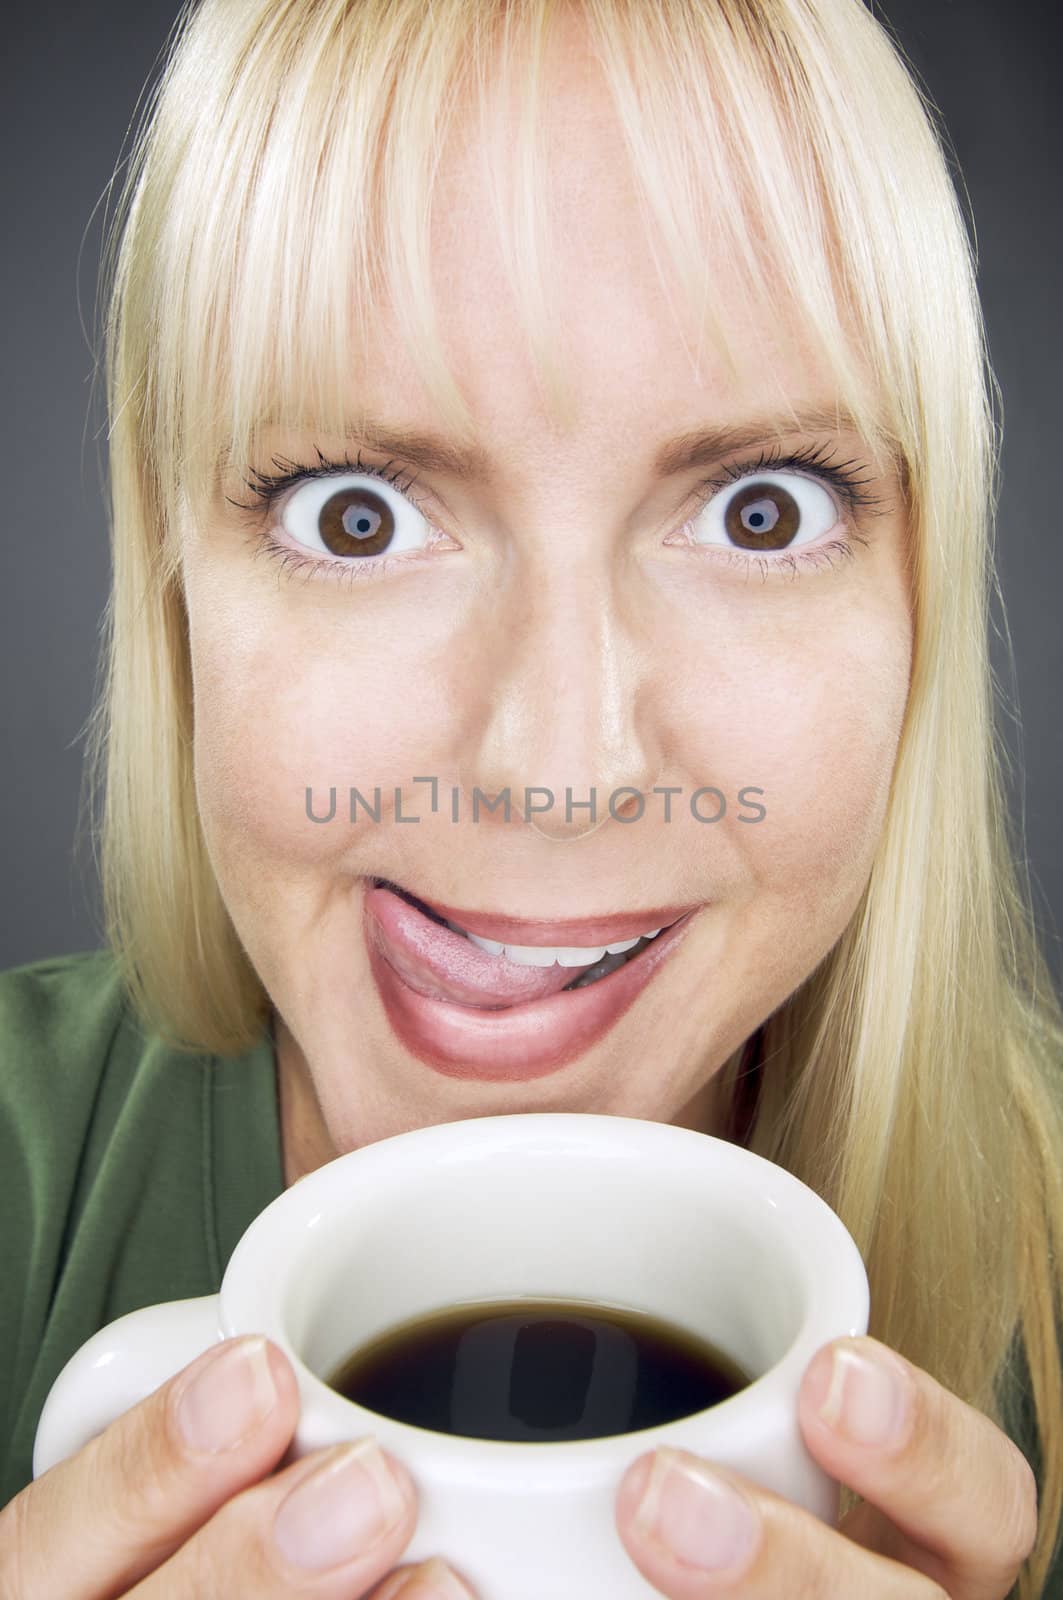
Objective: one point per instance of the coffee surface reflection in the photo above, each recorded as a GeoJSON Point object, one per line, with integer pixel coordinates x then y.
{"type": "Point", "coordinates": [537, 1370]}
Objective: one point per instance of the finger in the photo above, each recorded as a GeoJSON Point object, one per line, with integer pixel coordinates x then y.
{"type": "Point", "coordinates": [954, 1496]}
{"type": "Point", "coordinates": [96, 1523]}
{"type": "Point", "coordinates": [696, 1532]}
{"type": "Point", "coordinates": [432, 1580]}
{"type": "Point", "coordinates": [329, 1526]}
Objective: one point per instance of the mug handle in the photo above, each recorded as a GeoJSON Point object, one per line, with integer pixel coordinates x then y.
{"type": "Point", "coordinates": [117, 1368]}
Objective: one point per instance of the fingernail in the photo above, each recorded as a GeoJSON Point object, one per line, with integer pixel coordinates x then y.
{"type": "Point", "coordinates": [228, 1397]}
{"type": "Point", "coordinates": [341, 1510]}
{"type": "Point", "coordinates": [432, 1581]}
{"type": "Point", "coordinates": [868, 1398]}
{"type": "Point", "coordinates": [700, 1518]}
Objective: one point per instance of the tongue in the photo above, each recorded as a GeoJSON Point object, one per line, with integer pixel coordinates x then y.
{"type": "Point", "coordinates": [444, 965]}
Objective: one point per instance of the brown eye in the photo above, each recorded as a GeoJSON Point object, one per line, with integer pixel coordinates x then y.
{"type": "Point", "coordinates": [351, 516]}
{"type": "Point", "coordinates": [762, 516]}
{"type": "Point", "coordinates": [356, 522]}
{"type": "Point", "coordinates": [773, 511]}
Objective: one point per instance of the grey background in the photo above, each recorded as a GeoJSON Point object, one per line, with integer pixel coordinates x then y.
{"type": "Point", "coordinates": [72, 77]}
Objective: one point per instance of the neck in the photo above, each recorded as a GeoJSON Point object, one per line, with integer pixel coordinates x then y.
{"type": "Point", "coordinates": [305, 1141]}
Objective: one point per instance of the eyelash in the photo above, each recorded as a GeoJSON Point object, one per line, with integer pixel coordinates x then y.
{"type": "Point", "coordinates": [843, 477]}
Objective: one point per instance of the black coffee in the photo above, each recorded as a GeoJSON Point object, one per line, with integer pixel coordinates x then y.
{"type": "Point", "coordinates": [537, 1370]}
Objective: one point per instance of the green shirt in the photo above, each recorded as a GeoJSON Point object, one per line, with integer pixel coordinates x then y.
{"type": "Point", "coordinates": [128, 1171]}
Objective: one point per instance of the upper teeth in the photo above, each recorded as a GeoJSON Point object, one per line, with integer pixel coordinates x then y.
{"type": "Point", "coordinates": [541, 955]}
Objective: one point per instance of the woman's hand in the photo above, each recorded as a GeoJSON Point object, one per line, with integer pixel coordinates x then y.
{"type": "Point", "coordinates": [950, 1503]}
{"type": "Point", "coordinates": [167, 1503]}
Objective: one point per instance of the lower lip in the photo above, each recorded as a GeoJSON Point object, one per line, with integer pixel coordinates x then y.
{"type": "Point", "coordinates": [516, 1043]}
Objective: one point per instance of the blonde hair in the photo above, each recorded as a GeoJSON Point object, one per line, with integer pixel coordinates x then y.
{"type": "Point", "coordinates": [914, 1078]}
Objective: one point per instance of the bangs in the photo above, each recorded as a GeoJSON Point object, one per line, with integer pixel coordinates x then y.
{"type": "Point", "coordinates": [284, 190]}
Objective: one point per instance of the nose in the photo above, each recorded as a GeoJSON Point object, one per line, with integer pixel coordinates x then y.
{"type": "Point", "coordinates": [566, 727]}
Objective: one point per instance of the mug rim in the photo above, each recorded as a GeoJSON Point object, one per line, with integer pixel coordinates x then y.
{"type": "Point", "coordinates": [829, 1266]}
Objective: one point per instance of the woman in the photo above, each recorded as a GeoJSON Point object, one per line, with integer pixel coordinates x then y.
{"type": "Point", "coordinates": [706, 607]}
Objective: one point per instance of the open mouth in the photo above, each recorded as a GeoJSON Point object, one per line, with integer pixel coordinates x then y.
{"type": "Point", "coordinates": [469, 1006]}
{"type": "Point", "coordinates": [599, 965]}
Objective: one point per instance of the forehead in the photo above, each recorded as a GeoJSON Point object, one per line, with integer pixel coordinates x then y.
{"type": "Point", "coordinates": [635, 363]}
{"type": "Point", "coordinates": [643, 353]}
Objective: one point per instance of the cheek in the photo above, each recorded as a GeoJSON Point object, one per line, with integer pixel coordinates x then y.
{"type": "Point", "coordinates": [812, 717]}
{"type": "Point", "coordinates": [280, 711]}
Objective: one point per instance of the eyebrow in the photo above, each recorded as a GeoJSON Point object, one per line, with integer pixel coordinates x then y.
{"type": "Point", "coordinates": [701, 447]}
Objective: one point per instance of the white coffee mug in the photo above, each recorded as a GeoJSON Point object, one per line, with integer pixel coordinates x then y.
{"type": "Point", "coordinates": [560, 1206]}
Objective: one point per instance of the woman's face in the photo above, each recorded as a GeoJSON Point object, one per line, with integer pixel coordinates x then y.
{"type": "Point", "coordinates": [571, 619]}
